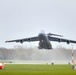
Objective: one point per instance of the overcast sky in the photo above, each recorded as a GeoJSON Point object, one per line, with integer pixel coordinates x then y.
{"type": "Point", "coordinates": [26, 18]}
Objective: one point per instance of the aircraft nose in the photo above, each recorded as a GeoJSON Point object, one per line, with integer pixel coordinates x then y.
{"type": "Point", "coordinates": [41, 35]}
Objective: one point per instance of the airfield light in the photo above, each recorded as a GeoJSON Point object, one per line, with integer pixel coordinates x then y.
{"type": "Point", "coordinates": [1, 65]}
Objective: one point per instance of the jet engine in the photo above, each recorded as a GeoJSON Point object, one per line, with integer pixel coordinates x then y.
{"type": "Point", "coordinates": [68, 42]}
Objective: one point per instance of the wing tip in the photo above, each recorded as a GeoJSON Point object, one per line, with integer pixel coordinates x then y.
{"type": "Point", "coordinates": [6, 41]}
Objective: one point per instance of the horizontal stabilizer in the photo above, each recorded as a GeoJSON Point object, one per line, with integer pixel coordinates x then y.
{"type": "Point", "coordinates": [54, 35]}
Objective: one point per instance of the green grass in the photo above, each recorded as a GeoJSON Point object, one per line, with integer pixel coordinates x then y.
{"type": "Point", "coordinates": [23, 69]}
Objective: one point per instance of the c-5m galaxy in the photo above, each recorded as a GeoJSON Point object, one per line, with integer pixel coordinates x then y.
{"type": "Point", "coordinates": [44, 40]}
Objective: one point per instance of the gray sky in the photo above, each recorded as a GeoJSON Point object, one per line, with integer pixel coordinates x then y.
{"type": "Point", "coordinates": [26, 18]}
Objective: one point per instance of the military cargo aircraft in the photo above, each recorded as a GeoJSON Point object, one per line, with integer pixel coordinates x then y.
{"type": "Point", "coordinates": [44, 40]}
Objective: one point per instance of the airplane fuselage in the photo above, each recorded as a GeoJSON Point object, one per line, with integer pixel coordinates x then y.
{"type": "Point", "coordinates": [44, 41]}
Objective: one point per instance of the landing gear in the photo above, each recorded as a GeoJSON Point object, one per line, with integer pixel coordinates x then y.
{"type": "Point", "coordinates": [39, 47]}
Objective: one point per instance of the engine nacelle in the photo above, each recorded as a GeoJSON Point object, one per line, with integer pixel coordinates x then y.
{"type": "Point", "coordinates": [59, 40]}
{"type": "Point", "coordinates": [21, 41]}
{"type": "Point", "coordinates": [29, 39]}
{"type": "Point", "coordinates": [68, 42]}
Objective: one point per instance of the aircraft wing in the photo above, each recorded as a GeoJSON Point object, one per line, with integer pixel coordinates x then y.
{"type": "Point", "coordinates": [24, 40]}
{"type": "Point", "coordinates": [61, 40]}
